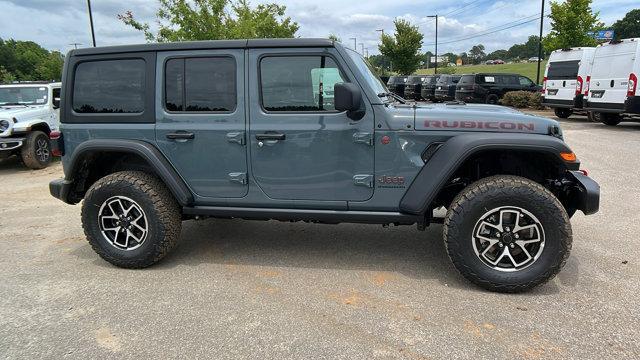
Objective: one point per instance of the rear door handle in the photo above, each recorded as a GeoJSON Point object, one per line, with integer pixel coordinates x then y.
{"type": "Point", "coordinates": [271, 136]}
{"type": "Point", "coordinates": [181, 135]}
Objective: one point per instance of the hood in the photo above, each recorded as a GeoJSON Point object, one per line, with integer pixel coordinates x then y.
{"type": "Point", "coordinates": [480, 117]}
{"type": "Point", "coordinates": [21, 112]}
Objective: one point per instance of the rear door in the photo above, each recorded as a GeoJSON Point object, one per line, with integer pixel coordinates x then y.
{"type": "Point", "coordinates": [610, 73]}
{"type": "Point", "coordinates": [301, 148]}
{"type": "Point", "coordinates": [200, 124]}
{"type": "Point", "coordinates": [561, 79]}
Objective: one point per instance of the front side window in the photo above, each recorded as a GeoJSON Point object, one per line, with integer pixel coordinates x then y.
{"type": "Point", "coordinates": [203, 84]}
{"type": "Point", "coordinates": [298, 83]}
{"type": "Point", "coordinates": [525, 81]}
{"type": "Point", "coordinates": [109, 86]}
{"type": "Point", "coordinates": [22, 95]}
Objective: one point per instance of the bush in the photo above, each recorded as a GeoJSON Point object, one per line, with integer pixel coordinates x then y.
{"type": "Point", "coordinates": [446, 70]}
{"type": "Point", "coordinates": [522, 99]}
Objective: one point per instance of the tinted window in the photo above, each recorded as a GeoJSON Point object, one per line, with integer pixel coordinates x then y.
{"type": "Point", "coordinates": [431, 79]}
{"type": "Point", "coordinates": [298, 83]}
{"type": "Point", "coordinates": [467, 79]}
{"type": "Point", "coordinates": [109, 86]}
{"type": "Point", "coordinates": [444, 79]}
{"type": "Point", "coordinates": [200, 84]}
{"type": "Point", "coordinates": [563, 70]}
{"type": "Point", "coordinates": [415, 79]}
{"type": "Point", "coordinates": [525, 81]}
{"type": "Point", "coordinates": [397, 80]}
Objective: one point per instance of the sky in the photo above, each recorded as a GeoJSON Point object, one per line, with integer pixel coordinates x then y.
{"type": "Point", "coordinates": [56, 24]}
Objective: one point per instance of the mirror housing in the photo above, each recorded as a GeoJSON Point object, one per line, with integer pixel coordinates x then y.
{"type": "Point", "coordinates": [348, 97]}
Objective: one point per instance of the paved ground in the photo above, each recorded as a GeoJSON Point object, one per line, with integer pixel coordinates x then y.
{"type": "Point", "coordinates": [270, 290]}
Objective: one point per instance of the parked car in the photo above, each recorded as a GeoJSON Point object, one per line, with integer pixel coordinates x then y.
{"type": "Point", "coordinates": [534, 59]}
{"type": "Point", "coordinates": [566, 80]}
{"type": "Point", "coordinates": [498, 62]}
{"type": "Point", "coordinates": [396, 85]}
{"type": "Point", "coordinates": [490, 88]}
{"type": "Point", "coordinates": [428, 91]}
{"type": "Point", "coordinates": [28, 116]}
{"type": "Point", "coordinates": [155, 134]}
{"type": "Point", "coordinates": [413, 87]}
{"type": "Point", "coordinates": [613, 90]}
{"type": "Point", "coordinates": [446, 87]}
{"type": "Point", "coordinates": [489, 62]}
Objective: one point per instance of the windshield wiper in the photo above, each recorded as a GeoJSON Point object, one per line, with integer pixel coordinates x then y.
{"type": "Point", "coordinates": [390, 94]}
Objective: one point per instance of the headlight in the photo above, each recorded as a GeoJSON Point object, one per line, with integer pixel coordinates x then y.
{"type": "Point", "coordinates": [4, 125]}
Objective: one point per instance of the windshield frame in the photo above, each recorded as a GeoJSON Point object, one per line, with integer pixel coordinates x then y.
{"type": "Point", "coordinates": [38, 90]}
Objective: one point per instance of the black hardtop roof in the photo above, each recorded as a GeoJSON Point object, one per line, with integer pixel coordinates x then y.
{"type": "Point", "coordinates": [495, 74]}
{"type": "Point", "coordinates": [204, 45]}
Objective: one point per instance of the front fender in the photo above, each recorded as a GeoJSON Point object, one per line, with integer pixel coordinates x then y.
{"type": "Point", "coordinates": [452, 154]}
{"type": "Point", "coordinates": [26, 125]}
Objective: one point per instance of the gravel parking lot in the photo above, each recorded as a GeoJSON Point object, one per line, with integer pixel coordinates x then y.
{"type": "Point", "coordinates": [271, 290]}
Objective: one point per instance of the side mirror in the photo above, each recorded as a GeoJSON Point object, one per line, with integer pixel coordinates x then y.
{"type": "Point", "coordinates": [56, 103]}
{"type": "Point", "coordinates": [347, 97]}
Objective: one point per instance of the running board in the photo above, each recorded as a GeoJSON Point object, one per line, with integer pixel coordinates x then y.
{"type": "Point", "coordinates": [320, 216]}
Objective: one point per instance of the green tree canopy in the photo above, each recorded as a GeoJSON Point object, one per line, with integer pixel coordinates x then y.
{"type": "Point", "coordinates": [477, 53]}
{"type": "Point", "coordinates": [183, 20]}
{"type": "Point", "coordinates": [403, 49]}
{"type": "Point", "coordinates": [629, 26]}
{"type": "Point", "coordinates": [570, 22]}
{"type": "Point", "coordinates": [26, 60]}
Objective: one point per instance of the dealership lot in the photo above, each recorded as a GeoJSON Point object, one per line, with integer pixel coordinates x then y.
{"type": "Point", "coordinates": [276, 290]}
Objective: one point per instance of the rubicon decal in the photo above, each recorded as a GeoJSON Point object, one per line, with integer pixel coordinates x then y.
{"type": "Point", "coordinates": [487, 125]}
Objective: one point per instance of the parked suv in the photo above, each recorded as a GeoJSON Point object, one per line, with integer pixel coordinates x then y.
{"type": "Point", "coordinates": [28, 116]}
{"type": "Point", "coordinates": [490, 88]}
{"type": "Point", "coordinates": [396, 84]}
{"type": "Point", "coordinates": [413, 87]}
{"type": "Point", "coordinates": [446, 87]}
{"type": "Point", "coordinates": [158, 133]}
{"type": "Point", "coordinates": [428, 90]}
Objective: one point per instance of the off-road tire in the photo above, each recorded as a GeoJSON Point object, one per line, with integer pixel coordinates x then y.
{"type": "Point", "coordinates": [563, 113]}
{"type": "Point", "coordinates": [159, 205]}
{"type": "Point", "coordinates": [610, 119]}
{"type": "Point", "coordinates": [30, 147]}
{"type": "Point", "coordinates": [492, 99]}
{"type": "Point", "coordinates": [494, 192]}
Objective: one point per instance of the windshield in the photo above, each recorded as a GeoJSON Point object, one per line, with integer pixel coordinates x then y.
{"type": "Point", "coordinates": [367, 71]}
{"type": "Point", "coordinates": [415, 79]}
{"type": "Point", "coordinates": [21, 95]}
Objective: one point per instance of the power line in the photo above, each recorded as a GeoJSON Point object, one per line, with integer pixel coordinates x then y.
{"type": "Point", "coordinates": [461, 8]}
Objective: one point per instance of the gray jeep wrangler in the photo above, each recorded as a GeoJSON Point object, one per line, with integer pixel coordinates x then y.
{"type": "Point", "coordinates": [303, 130]}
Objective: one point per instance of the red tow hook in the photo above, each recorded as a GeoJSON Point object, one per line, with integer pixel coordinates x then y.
{"type": "Point", "coordinates": [584, 172]}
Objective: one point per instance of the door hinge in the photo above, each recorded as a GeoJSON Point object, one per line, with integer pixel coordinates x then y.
{"type": "Point", "coordinates": [363, 138]}
{"type": "Point", "coordinates": [238, 177]}
{"type": "Point", "coordinates": [236, 137]}
{"type": "Point", "coordinates": [363, 180]}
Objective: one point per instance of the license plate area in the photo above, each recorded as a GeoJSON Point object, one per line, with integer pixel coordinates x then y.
{"type": "Point", "coordinates": [597, 94]}
{"type": "Point", "coordinates": [552, 92]}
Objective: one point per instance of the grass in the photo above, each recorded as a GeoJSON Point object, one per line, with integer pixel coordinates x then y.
{"type": "Point", "coordinates": [526, 69]}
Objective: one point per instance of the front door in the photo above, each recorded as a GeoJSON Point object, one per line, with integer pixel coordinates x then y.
{"type": "Point", "coordinates": [301, 148]}
{"type": "Point", "coordinates": [200, 119]}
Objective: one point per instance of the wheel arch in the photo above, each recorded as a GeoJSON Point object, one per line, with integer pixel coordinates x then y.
{"type": "Point", "coordinates": [94, 159]}
{"type": "Point", "coordinates": [458, 162]}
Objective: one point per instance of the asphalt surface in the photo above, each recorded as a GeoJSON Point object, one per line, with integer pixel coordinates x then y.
{"type": "Point", "coordinates": [271, 290]}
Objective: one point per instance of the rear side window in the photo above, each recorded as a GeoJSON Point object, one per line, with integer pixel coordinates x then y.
{"type": "Point", "coordinates": [563, 70]}
{"type": "Point", "coordinates": [109, 86]}
{"type": "Point", "coordinates": [203, 84]}
{"type": "Point", "coordinates": [467, 79]}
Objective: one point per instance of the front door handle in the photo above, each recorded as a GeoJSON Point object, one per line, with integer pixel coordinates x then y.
{"type": "Point", "coordinates": [271, 136]}
{"type": "Point", "coordinates": [181, 135]}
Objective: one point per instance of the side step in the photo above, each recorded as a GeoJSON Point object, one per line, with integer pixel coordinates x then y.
{"type": "Point", "coordinates": [320, 216]}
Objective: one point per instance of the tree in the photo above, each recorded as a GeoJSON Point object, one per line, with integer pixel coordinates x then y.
{"type": "Point", "coordinates": [26, 60]}
{"type": "Point", "coordinates": [477, 53]}
{"type": "Point", "coordinates": [629, 26]}
{"type": "Point", "coordinates": [335, 38]}
{"type": "Point", "coordinates": [498, 54]}
{"type": "Point", "coordinates": [570, 22]}
{"type": "Point", "coordinates": [403, 48]}
{"type": "Point", "coordinates": [182, 20]}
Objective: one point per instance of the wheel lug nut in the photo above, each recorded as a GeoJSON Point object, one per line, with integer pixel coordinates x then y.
{"type": "Point", "coordinates": [500, 244]}
{"type": "Point", "coordinates": [498, 234]}
{"type": "Point", "coordinates": [516, 236]}
{"type": "Point", "coordinates": [512, 245]}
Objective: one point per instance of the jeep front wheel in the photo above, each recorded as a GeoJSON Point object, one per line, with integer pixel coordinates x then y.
{"type": "Point", "coordinates": [131, 219]}
{"type": "Point", "coordinates": [507, 234]}
{"type": "Point", "coordinates": [36, 150]}
{"type": "Point", "coordinates": [563, 113]}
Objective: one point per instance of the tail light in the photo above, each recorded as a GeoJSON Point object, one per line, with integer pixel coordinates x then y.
{"type": "Point", "coordinates": [633, 84]}
{"type": "Point", "coordinates": [57, 144]}
{"type": "Point", "coordinates": [579, 86]}
{"type": "Point", "coordinates": [587, 85]}
{"type": "Point", "coordinates": [544, 86]}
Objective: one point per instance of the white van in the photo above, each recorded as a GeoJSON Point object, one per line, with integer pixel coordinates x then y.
{"type": "Point", "coordinates": [566, 79]}
{"type": "Point", "coordinates": [613, 90]}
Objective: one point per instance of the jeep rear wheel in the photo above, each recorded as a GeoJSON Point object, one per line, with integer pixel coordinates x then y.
{"type": "Point", "coordinates": [492, 99]}
{"type": "Point", "coordinates": [36, 150]}
{"type": "Point", "coordinates": [507, 234]}
{"type": "Point", "coordinates": [131, 219]}
{"type": "Point", "coordinates": [562, 113]}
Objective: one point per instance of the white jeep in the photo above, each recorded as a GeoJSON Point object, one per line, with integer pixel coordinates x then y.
{"type": "Point", "coordinates": [29, 112]}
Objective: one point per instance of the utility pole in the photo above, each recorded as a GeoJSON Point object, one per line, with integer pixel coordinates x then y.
{"type": "Point", "coordinates": [540, 42]}
{"type": "Point", "coordinates": [93, 34]}
{"type": "Point", "coordinates": [355, 47]}
{"type": "Point", "coordinates": [362, 47]}
{"type": "Point", "coordinates": [435, 70]}
{"type": "Point", "coordinates": [75, 45]}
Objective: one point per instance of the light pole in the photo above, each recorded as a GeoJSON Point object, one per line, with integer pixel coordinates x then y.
{"type": "Point", "coordinates": [362, 47]}
{"type": "Point", "coordinates": [435, 70]}
{"type": "Point", "coordinates": [540, 42]}
{"type": "Point", "coordinates": [93, 34]}
{"type": "Point", "coordinates": [355, 47]}
{"type": "Point", "coordinates": [75, 45]}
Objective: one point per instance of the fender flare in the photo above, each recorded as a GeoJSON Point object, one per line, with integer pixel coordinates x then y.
{"type": "Point", "coordinates": [146, 151]}
{"type": "Point", "coordinates": [26, 125]}
{"type": "Point", "coordinates": [433, 176]}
